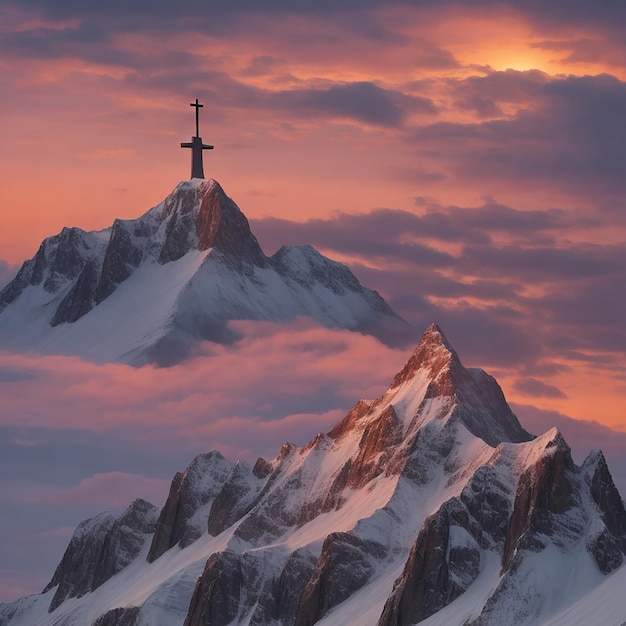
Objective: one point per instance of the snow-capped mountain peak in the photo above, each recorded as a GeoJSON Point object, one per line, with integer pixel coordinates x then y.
{"type": "Point", "coordinates": [435, 372]}
{"type": "Point", "coordinates": [194, 264]}
{"type": "Point", "coordinates": [433, 353]}
{"type": "Point", "coordinates": [199, 215]}
{"type": "Point", "coordinates": [429, 504]}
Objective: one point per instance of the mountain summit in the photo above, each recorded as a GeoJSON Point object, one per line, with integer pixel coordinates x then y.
{"type": "Point", "coordinates": [490, 417]}
{"type": "Point", "coordinates": [429, 505]}
{"type": "Point", "coordinates": [147, 289]}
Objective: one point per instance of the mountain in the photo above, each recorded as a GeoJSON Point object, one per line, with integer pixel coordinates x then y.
{"type": "Point", "coordinates": [146, 290]}
{"type": "Point", "coordinates": [429, 505]}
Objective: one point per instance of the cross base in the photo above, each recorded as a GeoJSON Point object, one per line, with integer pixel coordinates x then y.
{"type": "Point", "coordinates": [196, 145]}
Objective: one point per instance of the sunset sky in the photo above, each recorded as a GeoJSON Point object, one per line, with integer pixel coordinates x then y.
{"type": "Point", "coordinates": [465, 159]}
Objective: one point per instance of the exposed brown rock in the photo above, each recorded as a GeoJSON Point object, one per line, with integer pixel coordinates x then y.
{"type": "Point", "coordinates": [100, 548]}
{"type": "Point", "coordinates": [488, 500]}
{"type": "Point", "coordinates": [375, 448]}
{"type": "Point", "coordinates": [481, 403]}
{"type": "Point", "coordinates": [221, 225]}
{"type": "Point", "coordinates": [165, 537]}
{"type": "Point", "coordinates": [609, 547]}
{"type": "Point", "coordinates": [67, 258]}
{"type": "Point", "coordinates": [435, 353]}
{"type": "Point", "coordinates": [179, 217]}
{"type": "Point", "coordinates": [352, 418]}
{"type": "Point", "coordinates": [121, 259]}
{"type": "Point", "coordinates": [240, 494]}
{"type": "Point", "coordinates": [608, 499]}
{"type": "Point", "coordinates": [262, 468]}
{"type": "Point", "coordinates": [125, 540]}
{"type": "Point", "coordinates": [80, 299]}
{"type": "Point", "coordinates": [74, 575]}
{"type": "Point", "coordinates": [288, 590]}
{"type": "Point", "coordinates": [233, 501]}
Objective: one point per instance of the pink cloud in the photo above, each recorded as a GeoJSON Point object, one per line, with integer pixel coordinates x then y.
{"type": "Point", "coordinates": [250, 437]}
{"type": "Point", "coordinates": [111, 490]}
{"type": "Point", "coordinates": [277, 383]}
{"type": "Point", "coordinates": [15, 583]}
{"type": "Point", "coordinates": [61, 531]}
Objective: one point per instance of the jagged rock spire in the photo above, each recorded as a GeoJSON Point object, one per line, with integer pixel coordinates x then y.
{"type": "Point", "coordinates": [435, 353]}
{"type": "Point", "coordinates": [480, 403]}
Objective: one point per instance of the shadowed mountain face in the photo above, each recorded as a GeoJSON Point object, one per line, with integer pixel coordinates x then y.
{"type": "Point", "coordinates": [429, 504]}
{"type": "Point", "coordinates": [196, 265]}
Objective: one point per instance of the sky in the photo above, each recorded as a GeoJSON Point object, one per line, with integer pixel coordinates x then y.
{"type": "Point", "coordinates": [466, 159]}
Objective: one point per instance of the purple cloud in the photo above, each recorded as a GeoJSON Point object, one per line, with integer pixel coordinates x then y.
{"type": "Point", "coordinates": [582, 436]}
{"type": "Point", "coordinates": [111, 490]}
{"type": "Point", "coordinates": [570, 132]}
{"type": "Point", "coordinates": [538, 389]}
{"type": "Point", "coordinates": [487, 291]}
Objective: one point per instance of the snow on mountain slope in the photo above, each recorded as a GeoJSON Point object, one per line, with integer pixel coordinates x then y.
{"type": "Point", "coordinates": [604, 601]}
{"type": "Point", "coordinates": [147, 289]}
{"type": "Point", "coordinates": [430, 505]}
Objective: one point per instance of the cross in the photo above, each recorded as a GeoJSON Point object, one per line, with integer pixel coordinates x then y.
{"type": "Point", "coordinates": [196, 145]}
{"type": "Point", "coordinates": [198, 107]}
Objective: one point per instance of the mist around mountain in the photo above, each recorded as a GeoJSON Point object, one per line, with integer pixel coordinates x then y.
{"type": "Point", "coordinates": [148, 290]}
{"type": "Point", "coordinates": [430, 504]}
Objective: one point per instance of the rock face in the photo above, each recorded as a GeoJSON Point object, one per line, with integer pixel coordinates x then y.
{"type": "Point", "coordinates": [196, 265]}
{"type": "Point", "coordinates": [345, 565]}
{"type": "Point", "coordinates": [100, 548]}
{"type": "Point", "coordinates": [184, 517]}
{"type": "Point", "coordinates": [221, 225]}
{"type": "Point", "coordinates": [429, 502]}
{"type": "Point", "coordinates": [444, 561]}
{"type": "Point", "coordinates": [74, 575]}
{"type": "Point", "coordinates": [119, 617]}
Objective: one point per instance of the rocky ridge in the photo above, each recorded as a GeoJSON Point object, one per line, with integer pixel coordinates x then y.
{"type": "Point", "coordinates": [429, 504]}
{"type": "Point", "coordinates": [100, 548]}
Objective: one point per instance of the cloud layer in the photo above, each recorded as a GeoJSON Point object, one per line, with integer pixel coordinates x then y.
{"type": "Point", "coordinates": [516, 289]}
